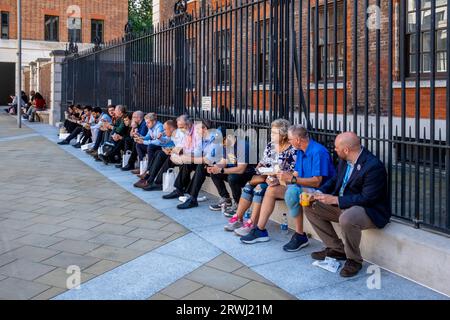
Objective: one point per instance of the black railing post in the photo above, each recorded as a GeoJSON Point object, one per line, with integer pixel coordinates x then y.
{"type": "Point", "coordinates": [128, 66]}
{"type": "Point", "coordinates": [180, 18]}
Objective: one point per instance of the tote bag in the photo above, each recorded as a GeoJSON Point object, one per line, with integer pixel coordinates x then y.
{"type": "Point", "coordinates": [126, 158]}
{"type": "Point", "coordinates": [169, 180]}
{"type": "Point", "coordinates": [143, 166]}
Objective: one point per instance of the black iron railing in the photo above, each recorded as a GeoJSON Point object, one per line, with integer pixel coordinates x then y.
{"type": "Point", "coordinates": [379, 68]}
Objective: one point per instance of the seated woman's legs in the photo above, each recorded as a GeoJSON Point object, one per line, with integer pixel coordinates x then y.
{"type": "Point", "coordinates": [245, 201]}
{"type": "Point", "coordinates": [258, 195]}
{"type": "Point", "coordinates": [271, 196]}
{"type": "Point", "coordinates": [260, 192]}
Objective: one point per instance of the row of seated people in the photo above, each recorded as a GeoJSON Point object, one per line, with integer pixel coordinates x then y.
{"type": "Point", "coordinates": [354, 194]}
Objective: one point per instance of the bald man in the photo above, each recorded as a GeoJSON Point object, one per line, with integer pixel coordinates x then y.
{"type": "Point", "coordinates": [356, 198]}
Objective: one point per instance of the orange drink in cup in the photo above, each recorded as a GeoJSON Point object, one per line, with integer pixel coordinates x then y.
{"type": "Point", "coordinates": [305, 199]}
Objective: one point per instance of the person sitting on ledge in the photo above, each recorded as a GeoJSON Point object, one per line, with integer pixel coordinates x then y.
{"type": "Point", "coordinates": [152, 180]}
{"type": "Point", "coordinates": [313, 167]}
{"type": "Point", "coordinates": [278, 154]}
{"type": "Point", "coordinates": [150, 143]}
{"type": "Point", "coordinates": [356, 198]}
{"type": "Point", "coordinates": [139, 128]}
{"type": "Point", "coordinates": [199, 152]}
{"type": "Point", "coordinates": [234, 168]}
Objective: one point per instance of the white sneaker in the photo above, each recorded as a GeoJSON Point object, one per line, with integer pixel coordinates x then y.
{"type": "Point", "coordinates": [199, 199]}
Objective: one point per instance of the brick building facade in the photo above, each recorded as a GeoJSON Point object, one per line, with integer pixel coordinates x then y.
{"type": "Point", "coordinates": [49, 25]}
{"type": "Point", "coordinates": [367, 95]}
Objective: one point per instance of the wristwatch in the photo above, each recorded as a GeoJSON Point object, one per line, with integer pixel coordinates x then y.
{"type": "Point", "coordinates": [222, 171]}
{"type": "Point", "coordinates": [294, 180]}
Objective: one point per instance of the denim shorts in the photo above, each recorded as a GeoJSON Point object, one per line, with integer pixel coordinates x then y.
{"type": "Point", "coordinates": [254, 193]}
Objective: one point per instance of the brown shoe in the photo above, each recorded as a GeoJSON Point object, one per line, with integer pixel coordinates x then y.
{"type": "Point", "coordinates": [136, 171]}
{"type": "Point", "coordinates": [321, 255]}
{"type": "Point", "coordinates": [350, 269]}
{"type": "Point", "coordinates": [141, 184]}
{"type": "Point", "coordinates": [142, 176]}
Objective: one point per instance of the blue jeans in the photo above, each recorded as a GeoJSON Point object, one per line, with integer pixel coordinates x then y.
{"type": "Point", "coordinates": [292, 199]}
{"type": "Point", "coordinates": [254, 194]}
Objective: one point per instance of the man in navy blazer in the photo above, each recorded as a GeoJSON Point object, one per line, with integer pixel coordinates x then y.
{"type": "Point", "coordinates": [356, 197]}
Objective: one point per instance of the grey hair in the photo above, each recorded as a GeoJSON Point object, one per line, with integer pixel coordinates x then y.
{"type": "Point", "coordinates": [186, 118]}
{"type": "Point", "coordinates": [139, 114]}
{"type": "Point", "coordinates": [282, 125]}
{"type": "Point", "coordinates": [300, 131]}
{"type": "Point", "coordinates": [122, 108]}
{"type": "Point", "coordinates": [150, 116]}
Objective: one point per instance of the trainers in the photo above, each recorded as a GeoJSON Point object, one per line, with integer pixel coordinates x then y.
{"type": "Point", "coordinates": [233, 224]}
{"type": "Point", "coordinates": [256, 236]}
{"type": "Point", "coordinates": [218, 206]}
{"type": "Point", "coordinates": [298, 241]}
{"type": "Point", "coordinates": [185, 198]}
{"type": "Point", "coordinates": [230, 211]}
{"type": "Point", "coordinates": [245, 229]}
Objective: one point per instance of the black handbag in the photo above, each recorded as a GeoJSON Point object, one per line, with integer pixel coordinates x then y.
{"type": "Point", "coordinates": [108, 148]}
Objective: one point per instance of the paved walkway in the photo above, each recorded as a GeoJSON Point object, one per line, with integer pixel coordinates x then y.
{"type": "Point", "coordinates": [58, 211]}
{"type": "Point", "coordinates": [55, 212]}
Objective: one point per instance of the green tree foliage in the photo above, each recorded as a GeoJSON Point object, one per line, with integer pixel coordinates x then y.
{"type": "Point", "coordinates": [140, 14]}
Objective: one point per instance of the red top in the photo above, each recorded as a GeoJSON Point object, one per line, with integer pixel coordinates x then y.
{"type": "Point", "coordinates": [40, 103]}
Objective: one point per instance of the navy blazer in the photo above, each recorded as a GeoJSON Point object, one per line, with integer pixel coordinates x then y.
{"type": "Point", "coordinates": [367, 187]}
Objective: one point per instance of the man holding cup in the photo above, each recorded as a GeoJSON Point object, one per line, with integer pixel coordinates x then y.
{"type": "Point", "coordinates": [356, 198]}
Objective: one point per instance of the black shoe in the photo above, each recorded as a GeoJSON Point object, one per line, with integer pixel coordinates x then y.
{"type": "Point", "coordinates": [63, 142]}
{"type": "Point", "coordinates": [77, 145]}
{"type": "Point", "coordinates": [190, 203]}
{"type": "Point", "coordinates": [153, 187]}
{"type": "Point", "coordinates": [298, 241]}
{"type": "Point", "coordinates": [173, 195]}
{"type": "Point", "coordinates": [127, 168]}
{"type": "Point", "coordinates": [321, 255]}
{"type": "Point", "coordinates": [351, 268]}
{"type": "Point", "coordinates": [118, 166]}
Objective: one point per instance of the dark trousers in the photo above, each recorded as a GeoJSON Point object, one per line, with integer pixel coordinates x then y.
{"type": "Point", "coordinates": [99, 140]}
{"type": "Point", "coordinates": [74, 133]}
{"type": "Point", "coordinates": [184, 183]}
{"type": "Point", "coordinates": [69, 125]}
{"type": "Point", "coordinates": [236, 182]}
{"type": "Point", "coordinates": [149, 150]}
{"type": "Point", "coordinates": [160, 164]}
{"type": "Point", "coordinates": [87, 136]}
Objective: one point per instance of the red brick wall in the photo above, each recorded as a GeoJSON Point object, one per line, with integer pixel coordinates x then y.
{"type": "Point", "coordinates": [113, 12]}
{"type": "Point", "coordinates": [362, 91]}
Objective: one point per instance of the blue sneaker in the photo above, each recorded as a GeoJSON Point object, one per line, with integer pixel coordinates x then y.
{"type": "Point", "coordinates": [255, 236]}
{"type": "Point", "coordinates": [298, 241]}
